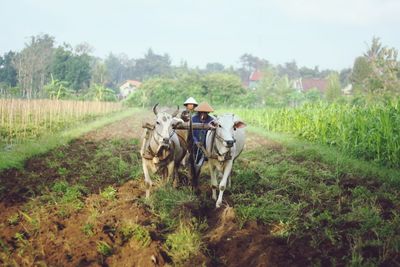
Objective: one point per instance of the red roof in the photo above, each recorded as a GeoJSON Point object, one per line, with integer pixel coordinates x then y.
{"type": "Point", "coordinates": [255, 76]}
{"type": "Point", "coordinates": [320, 84]}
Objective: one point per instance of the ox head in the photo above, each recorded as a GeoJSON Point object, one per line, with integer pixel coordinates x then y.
{"type": "Point", "coordinates": [225, 127]}
{"type": "Point", "coordinates": [163, 130]}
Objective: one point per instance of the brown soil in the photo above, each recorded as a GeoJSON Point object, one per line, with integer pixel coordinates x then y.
{"type": "Point", "coordinates": [59, 241]}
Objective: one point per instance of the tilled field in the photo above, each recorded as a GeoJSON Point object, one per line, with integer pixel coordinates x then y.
{"type": "Point", "coordinates": [83, 205]}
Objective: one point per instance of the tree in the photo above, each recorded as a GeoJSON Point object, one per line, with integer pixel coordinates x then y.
{"type": "Point", "coordinates": [100, 93]}
{"type": "Point", "coordinates": [33, 64]}
{"type": "Point", "coordinates": [221, 88]}
{"type": "Point", "coordinates": [274, 90]}
{"type": "Point", "coordinates": [59, 65]}
{"type": "Point", "coordinates": [215, 67]}
{"type": "Point", "coordinates": [384, 69]}
{"type": "Point", "coordinates": [73, 68]}
{"type": "Point", "coordinates": [120, 68]}
{"type": "Point", "coordinates": [361, 71]}
{"type": "Point", "coordinates": [8, 73]}
{"type": "Point", "coordinates": [290, 69]}
{"type": "Point", "coordinates": [313, 95]}
{"type": "Point", "coordinates": [99, 73]}
{"type": "Point", "coordinates": [377, 71]}
{"type": "Point", "coordinates": [249, 64]}
{"type": "Point", "coordinates": [57, 89]}
{"type": "Point", "coordinates": [78, 72]}
{"type": "Point", "coordinates": [152, 65]}
{"type": "Point", "coordinates": [333, 91]}
{"type": "Point", "coordinates": [345, 76]}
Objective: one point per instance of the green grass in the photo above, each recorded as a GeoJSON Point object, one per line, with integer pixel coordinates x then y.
{"type": "Point", "coordinates": [137, 232]}
{"type": "Point", "coordinates": [87, 229]}
{"type": "Point", "coordinates": [172, 205]}
{"type": "Point", "coordinates": [309, 200]}
{"type": "Point", "coordinates": [104, 248]}
{"type": "Point", "coordinates": [344, 163]}
{"type": "Point", "coordinates": [183, 244]}
{"type": "Point", "coordinates": [17, 154]}
{"type": "Point", "coordinates": [109, 193]}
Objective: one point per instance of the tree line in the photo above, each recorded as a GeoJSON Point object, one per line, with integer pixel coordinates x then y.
{"type": "Point", "coordinates": [43, 69]}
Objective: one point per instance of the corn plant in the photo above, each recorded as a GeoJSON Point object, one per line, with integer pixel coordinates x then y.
{"type": "Point", "coordinates": [26, 119]}
{"type": "Point", "coordinates": [371, 132]}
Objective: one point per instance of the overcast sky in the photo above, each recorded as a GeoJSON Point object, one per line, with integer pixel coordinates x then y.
{"type": "Point", "coordinates": [326, 33]}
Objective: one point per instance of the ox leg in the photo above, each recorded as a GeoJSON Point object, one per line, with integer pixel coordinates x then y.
{"type": "Point", "coordinates": [175, 177]}
{"type": "Point", "coordinates": [170, 170]}
{"type": "Point", "coordinates": [147, 179]}
{"type": "Point", "coordinates": [214, 181]}
{"type": "Point", "coordinates": [222, 184]}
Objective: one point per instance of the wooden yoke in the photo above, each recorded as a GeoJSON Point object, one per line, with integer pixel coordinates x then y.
{"type": "Point", "coordinates": [195, 126]}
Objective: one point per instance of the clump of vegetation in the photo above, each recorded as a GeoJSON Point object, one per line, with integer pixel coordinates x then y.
{"type": "Point", "coordinates": [87, 229]}
{"type": "Point", "coordinates": [13, 219]}
{"type": "Point", "coordinates": [171, 205]}
{"type": "Point", "coordinates": [67, 197]}
{"type": "Point", "coordinates": [32, 220]}
{"type": "Point", "coordinates": [137, 232]}
{"type": "Point", "coordinates": [104, 248]}
{"type": "Point", "coordinates": [109, 193]}
{"type": "Point", "coordinates": [182, 244]}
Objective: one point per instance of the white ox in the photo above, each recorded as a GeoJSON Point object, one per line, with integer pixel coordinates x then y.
{"type": "Point", "coordinates": [161, 149]}
{"type": "Point", "coordinates": [223, 146]}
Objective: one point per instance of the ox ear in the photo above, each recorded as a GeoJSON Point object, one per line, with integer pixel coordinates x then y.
{"type": "Point", "coordinates": [239, 124]}
{"type": "Point", "coordinates": [214, 123]}
{"type": "Point", "coordinates": [176, 121]}
{"type": "Point", "coordinates": [155, 109]}
{"type": "Point", "coordinates": [175, 112]}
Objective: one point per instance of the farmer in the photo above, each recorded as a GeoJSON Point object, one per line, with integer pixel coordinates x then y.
{"type": "Point", "coordinates": [190, 104]}
{"type": "Point", "coordinates": [199, 135]}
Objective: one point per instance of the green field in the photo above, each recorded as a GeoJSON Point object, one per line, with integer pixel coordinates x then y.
{"type": "Point", "coordinates": [292, 203]}
{"type": "Point", "coordinates": [371, 132]}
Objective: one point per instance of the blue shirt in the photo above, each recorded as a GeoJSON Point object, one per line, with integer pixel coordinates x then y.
{"type": "Point", "coordinates": [199, 135]}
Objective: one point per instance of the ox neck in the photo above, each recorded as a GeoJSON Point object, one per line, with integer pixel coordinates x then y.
{"type": "Point", "coordinates": [215, 153]}
{"type": "Point", "coordinates": [153, 148]}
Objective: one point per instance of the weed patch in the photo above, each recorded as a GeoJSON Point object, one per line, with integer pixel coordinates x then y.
{"type": "Point", "coordinates": [137, 232]}
{"type": "Point", "coordinates": [182, 244]}
{"type": "Point", "coordinates": [172, 205]}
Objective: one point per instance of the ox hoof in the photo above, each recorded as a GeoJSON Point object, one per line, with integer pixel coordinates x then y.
{"type": "Point", "coordinates": [217, 205]}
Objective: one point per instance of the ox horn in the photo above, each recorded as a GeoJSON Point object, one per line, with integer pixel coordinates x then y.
{"type": "Point", "coordinates": [155, 109]}
{"type": "Point", "coordinates": [175, 112]}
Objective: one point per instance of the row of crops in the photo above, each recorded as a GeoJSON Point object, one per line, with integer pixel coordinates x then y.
{"type": "Point", "coordinates": [26, 119]}
{"type": "Point", "coordinates": [371, 132]}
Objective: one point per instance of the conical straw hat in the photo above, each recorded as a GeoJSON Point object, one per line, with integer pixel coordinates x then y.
{"type": "Point", "coordinates": [204, 107]}
{"type": "Point", "coordinates": [190, 100]}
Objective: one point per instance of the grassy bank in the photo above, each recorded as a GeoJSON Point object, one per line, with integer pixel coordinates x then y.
{"type": "Point", "coordinates": [333, 157]}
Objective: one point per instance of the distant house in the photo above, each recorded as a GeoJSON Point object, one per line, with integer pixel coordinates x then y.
{"type": "Point", "coordinates": [348, 89]}
{"type": "Point", "coordinates": [128, 87]}
{"type": "Point", "coordinates": [306, 84]}
{"type": "Point", "coordinates": [254, 79]}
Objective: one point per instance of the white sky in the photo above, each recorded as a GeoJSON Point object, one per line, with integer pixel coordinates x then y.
{"type": "Point", "coordinates": [326, 33]}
